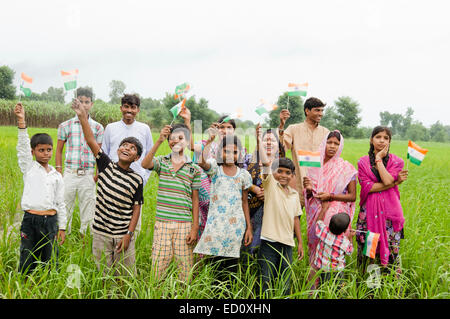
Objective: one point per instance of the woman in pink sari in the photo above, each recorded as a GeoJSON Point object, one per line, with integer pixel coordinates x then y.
{"type": "Point", "coordinates": [379, 175]}
{"type": "Point", "coordinates": [333, 182]}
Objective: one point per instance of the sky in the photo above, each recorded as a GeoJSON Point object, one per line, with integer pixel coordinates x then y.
{"type": "Point", "coordinates": [386, 55]}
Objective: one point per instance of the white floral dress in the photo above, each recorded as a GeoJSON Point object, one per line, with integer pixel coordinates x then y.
{"type": "Point", "coordinates": [225, 227]}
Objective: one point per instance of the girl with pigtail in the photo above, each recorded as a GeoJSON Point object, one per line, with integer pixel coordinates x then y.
{"type": "Point", "coordinates": [379, 175]}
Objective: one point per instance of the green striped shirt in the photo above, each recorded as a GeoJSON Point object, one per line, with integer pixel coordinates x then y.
{"type": "Point", "coordinates": [174, 196]}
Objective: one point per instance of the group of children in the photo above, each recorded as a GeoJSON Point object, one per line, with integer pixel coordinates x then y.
{"type": "Point", "coordinates": [116, 192]}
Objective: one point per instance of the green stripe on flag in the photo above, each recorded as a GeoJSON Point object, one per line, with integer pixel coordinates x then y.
{"type": "Point", "coordinates": [71, 85]}
{"type": "Point", "coordinates": [414, 160]}
{"type": "Point", "coordinates": [26, 91]}
{"type": "Point", "coordinates": [297, 93]}
{"type": "Point", "coordinates": [309, 164]}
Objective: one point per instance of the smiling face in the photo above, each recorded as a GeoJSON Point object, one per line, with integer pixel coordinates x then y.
{"type": "Point", "coordinates": [270, 144]}
{"type": "Point", "coordinates": [380, 140]}
{"type": "Point", "coordinates": [332, 147]}
{"type": "Point", "coordinates": [127, 153]}
{"type": "Point", "coordinates": [315, 114]}
{"type": "Point", "coordinates": [178, 141]}
{"type": "Point", "coordinates": [43, 153]}
{"type": "Point", "coordinates": [283, 175]}
{"type": "Point", "coordinates": [129, 112]}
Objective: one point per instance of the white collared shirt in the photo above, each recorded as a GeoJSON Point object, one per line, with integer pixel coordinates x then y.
{"type": "Point", "coordinates": [42, 190]}
{"type": "Point", "coordinates": [117, 131]}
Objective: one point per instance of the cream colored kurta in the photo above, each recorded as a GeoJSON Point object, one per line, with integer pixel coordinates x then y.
{"type": "Point", "coordinates": [302, 137]}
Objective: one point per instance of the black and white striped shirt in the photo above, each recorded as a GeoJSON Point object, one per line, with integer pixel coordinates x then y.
{"type": "Point", "coordinates": [118, 191]}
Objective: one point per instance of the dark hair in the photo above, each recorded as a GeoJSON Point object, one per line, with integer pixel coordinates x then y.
{"type": "Point", "coordinates": [183, 127]}
{"type": "Point", "coordinates": [40, 138]}
{"type": "Point", "coordinates": [231, 121]}
{"type": "Point", "coordinates": [131, 99]}
{"type": "Point", "coordinates": [339, 223]}
{"type": "Point", "coordinates": [281, 150]}
{"type": "Point", "coordinates": [335, 134]}
{"type": "Point", "coordinates": [85, 91]}
{"type": "Point", "coordinates": [371, 152]}
{"type": "Point", "coordinates": [311, 103]}
{"type": "Point", "coordinates": [135, 142]}
{"type": "Point", "coordinates": [283, 162]}
{"type": "Point", "coordinates": [228, 140]}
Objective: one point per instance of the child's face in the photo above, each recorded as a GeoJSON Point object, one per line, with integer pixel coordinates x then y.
{"type": "Point", "coordinates": [225, 129]}
{"type": "Point", "coordinates": [283, 176]}
{"type": "Point", "coordinates": [380, 141]}
{"type": "Point", "coordinates": [43, 153]}
{"type": "Point", "coordinates": [86, 102]}
{"type": "Point", "coordinates": [129, 112]}
{"type": "Point", "coordinates": [332, 146]}
{"type": "Point", "coordinates": [127, 152]}
{"type": "Point", "coordinates": [230, 154]}
{"type": "Point", "coordinates": [177, 141]}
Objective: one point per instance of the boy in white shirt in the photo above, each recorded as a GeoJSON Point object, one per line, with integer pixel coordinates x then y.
{"type": "Point", "coordinates": [42, 199]}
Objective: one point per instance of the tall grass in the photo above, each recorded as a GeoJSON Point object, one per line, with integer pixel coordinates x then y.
{"type": "Point", "coordinates": [424, 251]}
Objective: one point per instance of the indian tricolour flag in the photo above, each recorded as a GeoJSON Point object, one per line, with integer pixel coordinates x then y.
{"type": "Point", "coordinates": [309, 159]}
{"type": "Point", "coordinates": [264, 108]}
{"type": "Point", "coordinates": [181, 90]}
{"type": "Point", "coordinates": [236, 115]}
{"type": "Point", "coordinates": [25, 87]}
{"type": "Point", "coordinates": [416, 154]}
{"type": "Point", "coordinates": [295, 89]}
{"type": "Point", "coordinates": [177, 108]}
{"type": "Point", "coordinates": [370, 246]}
{"type": "Point", "coordinates": [70, 79]}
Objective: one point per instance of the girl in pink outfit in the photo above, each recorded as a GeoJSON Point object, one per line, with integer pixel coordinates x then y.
{"type": "Point", "coordinates": [379, 174]}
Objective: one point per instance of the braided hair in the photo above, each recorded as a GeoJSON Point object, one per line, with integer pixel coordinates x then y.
{"type": "Point", "coordinates": [371, 152]}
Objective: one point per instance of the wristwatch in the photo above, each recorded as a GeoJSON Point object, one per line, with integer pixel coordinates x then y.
{"type": "Point", "coordinates": [130, 233]}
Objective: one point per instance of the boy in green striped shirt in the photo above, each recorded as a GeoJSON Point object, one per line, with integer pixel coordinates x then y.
{"type": "Point", "coordinates": [176, 225]}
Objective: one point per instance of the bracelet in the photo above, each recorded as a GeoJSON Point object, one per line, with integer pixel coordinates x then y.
{"type": "Point", "coordinates": [378, 160]}
{"type": "Point", "coordinates": [58, 166]}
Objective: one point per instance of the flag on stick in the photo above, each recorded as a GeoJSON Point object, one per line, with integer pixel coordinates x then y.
{"type": "Point", "coordinates": [70, 79]}
{"type": "Point", "coordinates": [181, 90]}
{"type": "Point", "coordinates": [177, 108]}
{"type": "Point", "coordinates": [308, 159]}
{"type": "Point", "coordinates": [236, 115]}
{"type": "Point", "coordinates": [416, 154]}
{"type": "Point", "coordinates": [25, 87]}
{"type": "Point", "coordinates": [264, 108]}
{"type": "Point", "coordinates": [295, 89]}
{"type": "Point", "coordinates": [370, 246]}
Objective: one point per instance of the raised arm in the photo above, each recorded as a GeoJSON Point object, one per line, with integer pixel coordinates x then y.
{"type": "Point", "coordinates": [147, 162]}
{"type": "Point", "coordinates": [213, 131]}
{"type": "Point", "coordinates": [23, 144]}
{"type": "Point", "coordinates": [87, 132]}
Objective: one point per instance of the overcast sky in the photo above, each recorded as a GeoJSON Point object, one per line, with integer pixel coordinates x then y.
{"type": "Point", "coordinates": [387, 55]}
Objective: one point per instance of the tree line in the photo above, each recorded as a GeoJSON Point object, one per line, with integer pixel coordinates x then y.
{"type": "Point", "coordinates": [344, 114]}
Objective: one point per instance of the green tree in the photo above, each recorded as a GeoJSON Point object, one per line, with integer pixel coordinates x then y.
{"type": "Point", "coordinates": [295, 108]}
{"type": "Point", "coordinates": [329, 119]}
{"type": "Point", "coordinates": [417, 132]}
{"type": "Point", "coordinates": [438, 132]}
{"type": "Point", "coordinates": [398, 123]}
{"type": "Point", "coordinates": [7, 89]}
{"type": "Point", "coordinates": [347, 117]}
{"type": "Point", "coordinates": [117, 88]}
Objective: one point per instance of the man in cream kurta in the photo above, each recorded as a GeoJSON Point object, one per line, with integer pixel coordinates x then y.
{"type": "Point", "coordinates": [305, 136]}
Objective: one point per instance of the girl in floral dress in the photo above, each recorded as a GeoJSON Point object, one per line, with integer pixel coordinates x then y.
{"type": "Point", "coordinates": [228, 223]}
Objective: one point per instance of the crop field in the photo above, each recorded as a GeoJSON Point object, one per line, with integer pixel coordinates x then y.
{"type": "Point", "coordinates": [424, 251]}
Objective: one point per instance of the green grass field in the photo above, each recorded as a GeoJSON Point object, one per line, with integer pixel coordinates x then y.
{"type": "Point", "coordinates": [424, 251]}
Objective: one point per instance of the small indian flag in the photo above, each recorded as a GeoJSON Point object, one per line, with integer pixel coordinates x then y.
{"type": "Point", "coordinates": [264, 108]}
{"type": "Point", "coordinates": [370, 246]}
{"type": "Point", "coordinates": [181, 90]}
{"type": "Point", "coordinates": [309, 159]}
{"type": "Point", "coordinates": [416, 154]}
{"type": "Point", "coordinates": [236, 115]}
{"type": "Point", "coordinates": [70, 79]}
{"type": "Point", "coordinates": [177, 108]}
{"type": "Point", "coordinates": [295, 89]}
{"type": "Point", "coordinates": [25, 87]}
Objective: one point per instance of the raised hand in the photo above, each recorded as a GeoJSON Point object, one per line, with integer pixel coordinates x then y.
{"type": "Point", "coordinates": [20, 112]}
{"type": "Point", "coordinates": [185, 114]}
{"type": "Point", "coordinates": [284, 116]}
{"type": "Point", "coordinates": [78, 107]}
{"type": "Point", "coordinates": [213, 131]}
{"type": "Point", "coordinates": [165, 132]}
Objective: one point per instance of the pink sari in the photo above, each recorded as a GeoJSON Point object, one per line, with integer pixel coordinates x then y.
{"type": "Point", "coordinates": [381, 205]}
{"type": "Point", "coordinates": [332, 177]}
